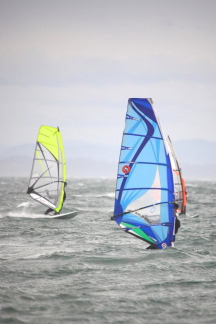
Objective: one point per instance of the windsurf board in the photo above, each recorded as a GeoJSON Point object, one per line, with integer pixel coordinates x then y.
{"type": "Point", "coordinates": [64, 216]}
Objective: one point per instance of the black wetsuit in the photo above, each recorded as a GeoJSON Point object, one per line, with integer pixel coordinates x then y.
{"type": "Point", "coordinates": [177, 225]}
{"type": "Point", "coordinates": [152, 247]}
{"type": "Point", "coordinates": [49, 210]}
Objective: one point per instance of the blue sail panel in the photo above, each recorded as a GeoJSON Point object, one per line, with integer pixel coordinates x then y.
{"type": "Point", "coordinates": [144, 187]}
{"type": "Point", "coordinates": [147, 149]}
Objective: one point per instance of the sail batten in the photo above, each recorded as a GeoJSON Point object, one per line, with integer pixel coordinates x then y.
{"type": "Point", "coordinates": [148, 188]}
{"type": "Point", "coordinates": [123, 162]}
{"type": "Point", "coordinates": [143, 136]}
{"type": "Point", "coordinates": [144, 186]}
{"type": "Point", "coordinates": [48, 175]}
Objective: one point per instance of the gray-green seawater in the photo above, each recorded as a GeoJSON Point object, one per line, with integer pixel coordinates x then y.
{"type": "Point", "coordinates": [87, 270]}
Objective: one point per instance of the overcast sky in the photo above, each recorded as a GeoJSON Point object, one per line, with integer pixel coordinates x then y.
{"type": "Point", "coordinates": [74, 64]}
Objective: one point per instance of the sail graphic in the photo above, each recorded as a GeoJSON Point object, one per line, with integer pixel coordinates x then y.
{"type": "Point", "coordinates": [144, 188]}
{"type": "Point", "coordinates": [179, 182]}
{"type": "Point", "coordinates": [48, 175]}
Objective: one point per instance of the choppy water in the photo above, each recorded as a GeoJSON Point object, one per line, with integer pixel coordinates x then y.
{"type": "Point", "coordinates": [86, 270]}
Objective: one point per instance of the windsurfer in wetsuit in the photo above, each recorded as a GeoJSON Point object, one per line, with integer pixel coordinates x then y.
{"type": "Point", "coordinates": [152, 247]}
{"type": "Point", "coordinates": [177, 226]}
{"type": "Point", "coordinates": [49, 210]}
{"type": "Point", "coordinates": [177, 221]}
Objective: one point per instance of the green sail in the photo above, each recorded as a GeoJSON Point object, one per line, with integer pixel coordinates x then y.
{"type": "Point", "coordinates": [48, 175]}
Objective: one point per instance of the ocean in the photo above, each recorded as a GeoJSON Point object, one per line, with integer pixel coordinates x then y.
{"type": "Point", "coordinates": [87, 270]}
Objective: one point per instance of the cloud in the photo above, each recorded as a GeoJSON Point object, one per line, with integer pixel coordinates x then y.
{"type": "Point", "coordinates": [109, 29]}
{"type": "Point", "coordinates": [75, 63]}
{"type": "Point", "coordinates": [37, 69]}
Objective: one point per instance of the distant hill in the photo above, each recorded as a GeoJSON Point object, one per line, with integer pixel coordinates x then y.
{"type": "Point", "coordinates": [73, 150]}
{"type": "Point", "coordinates": [197, 159]}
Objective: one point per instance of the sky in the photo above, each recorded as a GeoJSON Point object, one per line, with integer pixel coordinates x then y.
{"type": "Point", "coordinates": [75, 63]}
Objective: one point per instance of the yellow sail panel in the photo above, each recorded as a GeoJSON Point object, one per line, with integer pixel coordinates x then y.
{"type": "Point", "coordinates": [49, 138]}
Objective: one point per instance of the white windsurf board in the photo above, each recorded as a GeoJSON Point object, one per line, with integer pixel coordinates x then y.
{"type": "Point", "coordinates": [64, 216]}
{"type": "Point", "coordinates": [195, 216]}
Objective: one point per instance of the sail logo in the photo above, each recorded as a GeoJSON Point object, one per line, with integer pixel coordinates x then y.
{"type": "Point", "coordinates": [130, 117]}
{"type": "Point", "coordinates": [143, 217]}
{"type": "Point", "coordinates": [122, 176]}
{"type": "Point", "coordinates": [126, 169]}
{"type": "Point", "coordinates": [126, 148]}
{"type": "Point", "coordinates": [40, 199]}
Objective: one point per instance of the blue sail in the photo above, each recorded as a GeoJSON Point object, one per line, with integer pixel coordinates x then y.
{"type": "Point", "coordinates": [144, 188]}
